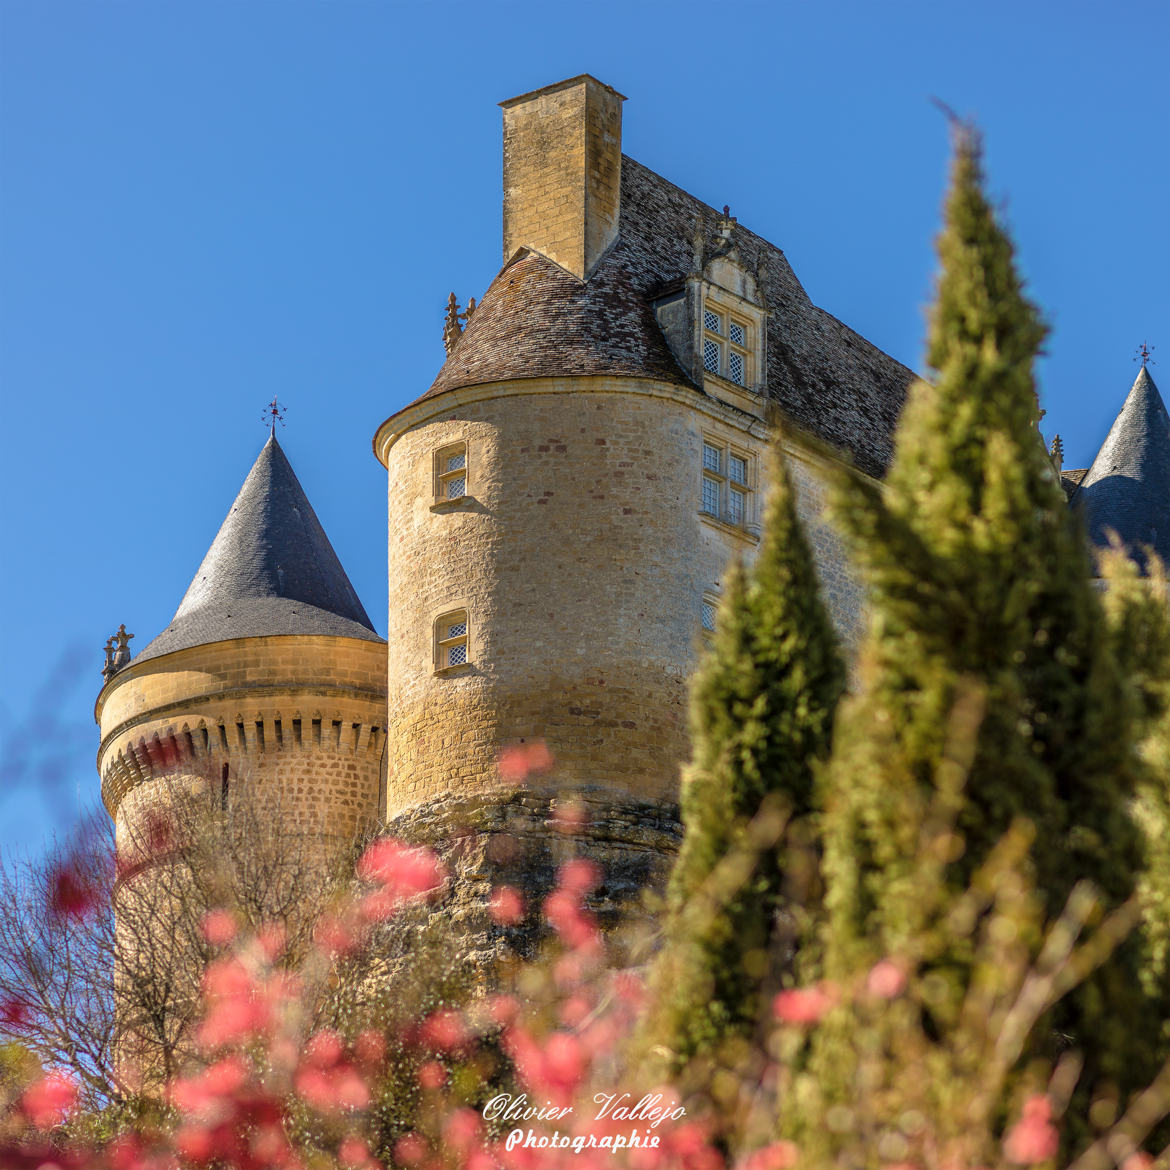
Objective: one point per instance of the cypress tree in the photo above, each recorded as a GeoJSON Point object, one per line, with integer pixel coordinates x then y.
{"type": "Point", "coordinates": [981, 598]}
{"type": "Point", "coordinates": [762, 705]}
{"type": "Point", "coordinates": [1138, 616]}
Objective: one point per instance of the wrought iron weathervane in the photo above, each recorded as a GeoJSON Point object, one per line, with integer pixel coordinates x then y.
{"type": "Point", "coordinates": [1143, 355]}
{"type": "Point", "coordinates": [273, 414]}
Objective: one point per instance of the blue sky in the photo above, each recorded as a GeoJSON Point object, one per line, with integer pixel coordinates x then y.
{"type": "Point", "coordinates": [203, 204]}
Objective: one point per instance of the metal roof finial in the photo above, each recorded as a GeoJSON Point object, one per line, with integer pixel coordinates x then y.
{"type": "Point", "coordinates": [1143, 355]}
{"type": "Point", "coordinates": [274, 413]}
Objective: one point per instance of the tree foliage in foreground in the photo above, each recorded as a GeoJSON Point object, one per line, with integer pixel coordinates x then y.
{"type": "Point", "coordinates": [990, 693]}
{"type": "Point", "coordinates": [762, 706]}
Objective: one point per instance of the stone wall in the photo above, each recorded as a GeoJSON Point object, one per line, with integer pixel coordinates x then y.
{"type": "Point", "coordinates": [303, 717]}
{"type": "Point", "coordinates": [581, 558]}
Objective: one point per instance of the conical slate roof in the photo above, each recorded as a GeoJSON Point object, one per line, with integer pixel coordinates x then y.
{"type": "Point", "coordinates": [1127, 489]}
{"type": "Point", "coordinates": [270, 570]}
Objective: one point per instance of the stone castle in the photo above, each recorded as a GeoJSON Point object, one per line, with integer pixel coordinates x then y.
{"type": "Point", "coordinates": [562, 503]}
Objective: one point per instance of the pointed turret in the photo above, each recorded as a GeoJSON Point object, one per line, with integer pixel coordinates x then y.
{"type": "Point", "coordinates": [1127, 488]}
{"type": "Point", "coordinates": [270, 570]}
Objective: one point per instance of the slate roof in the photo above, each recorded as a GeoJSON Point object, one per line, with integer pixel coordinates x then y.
{"type": "Point", "coordinates": [270, 570]}
{"type": "Point", "coordinates": [536, 320]}
{"type": "Point", "coordinates": [1127, 488]}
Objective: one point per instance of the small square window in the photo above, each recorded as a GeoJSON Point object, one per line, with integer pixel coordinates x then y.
{"type": "Point", "coordinates": [451, 473]}
{"type": "Point", "coordinates": [456, 655]}
{"type": "Point", "coordinates": [712, 321]}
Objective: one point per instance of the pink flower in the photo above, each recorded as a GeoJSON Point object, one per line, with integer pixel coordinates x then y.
{"type": "Point", "coordinates": [219, 927]}
{"type": "Point", "coordinates": [71, 894]}
{"type": "Point", "coordinates": [432, 1075]}
{"type": "Point", "coordinates": [404, 871]}
{"type": "Point", "coordinates": [462, 1129]}
{"type": "Point", "coordinates": [778, 1156]}
{"type": "Point", "coordinates": [1138, 1161]}
{"type": "Point", "coordinates": [329, 1091]}
{"type": "Point", "coordinates": [410, 1149]}
{"type": "Point", "coordinates": [271, 938]}
{"type": "Point", "coordinates": [804, 1005]}
{"type": "Point", "coordinates": [444, 1030]}
{"type": "Point", "coordinates": [13, 1014]}
{"type": "Point", "coordinates": [517, 761]}
{"type": "Point", "coordinates": [1033, 1138]}
{"type": "Point", "coordinates": [324, 1049]}
{"type": "Point", "coordinates": [886, 979]}
{"type": "Point", "coordinates": [333, 935]}
{"type": "Point", "coordinates": [564, 1064]}
{"type": "Point", "coordinates": [575, 925]}
{"type": "Point", "coordinates": [369, 1048]}
{"type": "Point", "coordinates": [502, 1009]}
{"type": "Point", "coordinates": [580, 875]}
{"type": "Point", "coordinates": [353, 1152]}
{"type": "Point", "coordinates": [48, 1100]}
{"type": "Point", "coordinates": [507, 906]}
{"type": "Point", "coordinates": [569, 817]}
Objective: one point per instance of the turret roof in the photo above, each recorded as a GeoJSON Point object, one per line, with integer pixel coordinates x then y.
{"type": "Point", "coordinates": [538, 320]}
{"type": "Point", "coordinates": [1127, 488]}
{"type": "Point", "coordinates": [270, 570]}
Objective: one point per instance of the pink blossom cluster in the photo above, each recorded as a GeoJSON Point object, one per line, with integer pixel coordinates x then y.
{"type": "Point", "coordinates": [260, 1070]}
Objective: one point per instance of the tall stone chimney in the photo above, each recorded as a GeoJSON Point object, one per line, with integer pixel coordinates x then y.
{"type": "Point", "coordinates": [562, 172]}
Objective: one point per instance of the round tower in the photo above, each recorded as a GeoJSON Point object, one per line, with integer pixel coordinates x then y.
{"type": "Point", "coordinates": [564, 499]}
{"type": "Point", "coordinates": [269, 681]}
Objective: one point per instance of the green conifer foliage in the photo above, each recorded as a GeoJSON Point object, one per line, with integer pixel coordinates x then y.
{"type": "Point", "coordinates": [1138, 614]}
{"type": "Point", "coordinates": [980, 586]}
{"type": "Point", "coordinates": [762, 707]}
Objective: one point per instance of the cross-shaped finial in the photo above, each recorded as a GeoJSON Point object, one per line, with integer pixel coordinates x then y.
{"type": "Point", "coordinates": [273, 414]}
{"type": "Point", "coordinates": [1143, 354]}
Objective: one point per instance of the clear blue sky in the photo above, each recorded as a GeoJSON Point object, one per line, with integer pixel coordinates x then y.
{"type": "Point", "coordinates": [205, 203]}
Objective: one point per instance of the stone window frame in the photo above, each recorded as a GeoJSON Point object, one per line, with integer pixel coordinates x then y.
{"type": "Point", "coordinates": [717, 478]}
{"type": "Point", "coordinates": [443, 643]}
{"type": "Point", "coordinates": [708, 611]}
{"type": "Point", "coordinates": [720, 339]}
{"type": "Point", "coordinates": [445, 476]}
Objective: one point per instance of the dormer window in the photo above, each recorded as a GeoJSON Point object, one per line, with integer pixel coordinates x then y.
{"type": "Point", "coordinates": [726, 345]}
